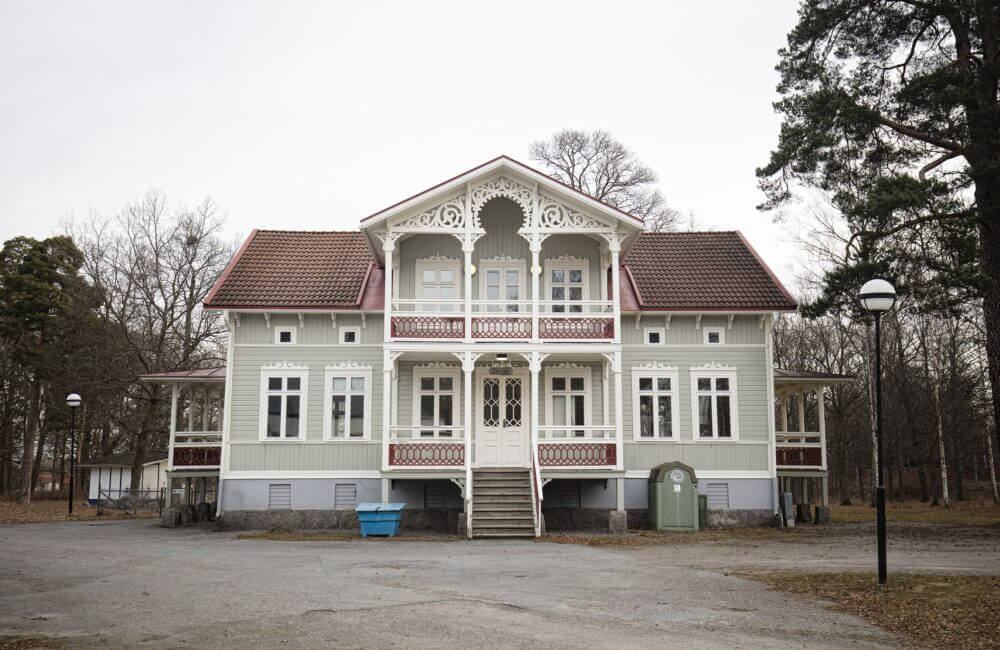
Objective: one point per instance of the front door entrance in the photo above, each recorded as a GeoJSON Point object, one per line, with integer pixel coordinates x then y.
{"type": "Point", "coordinates": [502, 421]}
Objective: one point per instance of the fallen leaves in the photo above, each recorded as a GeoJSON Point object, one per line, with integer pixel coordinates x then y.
{"type": "Point", "coordinates": [930, 610]}
{"type": "Point", "coordinates": [12, 512]}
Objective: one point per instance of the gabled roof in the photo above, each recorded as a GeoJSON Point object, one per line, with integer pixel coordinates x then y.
{"type": "Point", "coordinates": [284, 269]}
{"type": "Point", "coordinates": [702, 271]}
{"type": "Point", "coordinates": [490, 166]}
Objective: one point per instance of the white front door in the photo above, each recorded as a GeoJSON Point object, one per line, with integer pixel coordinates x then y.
{"type": "Point", "coordinates": [502, 431]}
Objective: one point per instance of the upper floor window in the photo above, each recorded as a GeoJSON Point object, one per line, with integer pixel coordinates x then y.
{"type": "Point", "coordinates": [568, 401]}
{"type": "Point", "coordinates": [435, 402]}
{"type": "Point", "coordinates": [713, 397]}
{"type": "Point", "coordinates": [567, 283]}
{"type": "Point", "coordinates": [283, 413]}
{"type": "Point", "coordinates": [654, 399]}
{"type": "Point", "coordinates": [438, 282]}
{"type": "Point", "coordinates": [655, 335]}
{"type": "Point", "coordinates": [503, 283]}
{"type": "Point", "coordinates": [348, 395]}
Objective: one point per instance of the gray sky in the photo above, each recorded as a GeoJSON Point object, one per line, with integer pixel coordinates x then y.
{"type": "Point", "coordinates": [312, 115]}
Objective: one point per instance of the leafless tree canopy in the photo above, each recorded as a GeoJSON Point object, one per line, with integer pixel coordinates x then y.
{"type": "Point", "coordinates": [598, 164]}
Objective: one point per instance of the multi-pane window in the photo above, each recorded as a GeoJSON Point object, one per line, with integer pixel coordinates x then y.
{"type": "Point", "coordinates": [655, 396]}
{"type": "Point", "coordinates": [714, 401]}
{"type": "Point", "coordinates": [284, 406]}
{"type": "Point", "coordinates": [347, 405]}
{"type": "Point", "coordinates": [714, 336]}
{"type": "Point", "coordinates": [438, 283]}
{"type": "Point", "coordinates": [436, 404]}
{"type": "Point", "coordinates": [284, 335]}
{"type": "Point", "coordinates": [568, 403]}
{"type": "Point", "coordinates": [503, 285]}
{"type": "Point", "coordinates": [566, 286]}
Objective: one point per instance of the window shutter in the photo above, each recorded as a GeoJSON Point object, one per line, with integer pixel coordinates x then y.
{"type": "Point", "coordinates": [345, 496]}
{"type": "Point", "coordinates": [718, 495]}
{"type": "Point", "coordinates": [279, 496]}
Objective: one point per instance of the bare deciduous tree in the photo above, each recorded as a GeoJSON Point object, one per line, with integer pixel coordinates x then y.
{"type": "Point", "coordinates": [600, 165]}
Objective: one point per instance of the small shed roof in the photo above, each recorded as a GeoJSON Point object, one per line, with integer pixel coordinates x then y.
{"type": "Point", "coordinates": [198, 374]}
{"type": "Point", "coordinates": [784, 375]}
{"type": "Point", "coordinates": [122, 460]}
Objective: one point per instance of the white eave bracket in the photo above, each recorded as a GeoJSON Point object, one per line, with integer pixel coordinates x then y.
{"type": "Point", "coordinates": [637, 319]}
{"type": "Point", "coordinates": [364, 321]}
{"type": "Point", "coordinates": [729, 325]}
{"type": "Point", "coordinates": [667, 321]}
{"type": "Point", "coordinates": [267, 320]}
{"type": "Point", "coordinates": [697, 322]}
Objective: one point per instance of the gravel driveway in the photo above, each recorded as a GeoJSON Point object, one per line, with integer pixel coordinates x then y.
{"type": "Point", "coordinates": [128, 583]}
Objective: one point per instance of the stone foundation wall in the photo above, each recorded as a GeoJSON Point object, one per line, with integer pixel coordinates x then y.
{"type": "Point", "coordinates": [437, 519]}
{"type": "Point", "coordinates": [740, 518]}
{"type": "Point", "coordinates": [561, 519]}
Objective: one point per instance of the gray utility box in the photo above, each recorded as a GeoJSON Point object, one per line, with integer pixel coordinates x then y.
{"type": "Point", "coordinates": [673, 497]}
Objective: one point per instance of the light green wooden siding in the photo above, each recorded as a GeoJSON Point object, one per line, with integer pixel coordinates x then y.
{"type": "Point", "coordinates": [245, 397]}
{"type": "Point", "coordinates": [575, 246]}
{"type": "Point", "coordinates": [746, 329]}
{"type": "Point", "coordinates": [330, 456]}
{"type": "Point", "coordinates": [501, 218]}
{"type": "Point", "coordinates": [751, 389]}
{"type": "Point", "coordinates": [318, 328]}
{"type": "Point", "coordinates": [421, 246]}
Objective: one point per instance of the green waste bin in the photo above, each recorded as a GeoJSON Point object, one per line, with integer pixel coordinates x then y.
{"type": "Point", "coordinates": [673, 497]}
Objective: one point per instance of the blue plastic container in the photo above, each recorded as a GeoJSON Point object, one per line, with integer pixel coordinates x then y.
{"type": "Point", "coordinates": [380, 518]}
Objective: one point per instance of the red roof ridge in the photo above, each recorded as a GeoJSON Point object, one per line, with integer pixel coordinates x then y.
{"type": "Point", "coordinates": [312, 232]}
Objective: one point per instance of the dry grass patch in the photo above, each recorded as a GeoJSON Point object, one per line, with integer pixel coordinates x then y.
{"type": "Point", "coordinates": [929, 610]}
{"type": "Point", "coordinates": [343, 536]}
{"type": "Point", "coordinates": [12, 512]}
{"type": "Point", "coordinates": [974, 512]}
{"type": "Point", "coordinates": [636, 538]}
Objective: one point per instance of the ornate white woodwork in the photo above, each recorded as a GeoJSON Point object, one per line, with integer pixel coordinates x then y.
{"type": "Point", "coordinates": [449, 215]}
{"type": "Point", "coordinates": [348, 365]}
{"type": "Point", "coordinates": [502, 186]}
{"type": "Point", "coordinates": [284, 365]}
{"type": "Point", "coordinates": [655, 365]}
{"type": "Point", "coordinates": [713, 365]}
{"type": "Point", "coordinates": [553, 215]}
{"type": "Point", "coordinates": [388, 239]}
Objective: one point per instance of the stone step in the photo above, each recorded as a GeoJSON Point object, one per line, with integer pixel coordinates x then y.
{"type": "Point", "coordinates": [501, 492]}
{"type": "Point", "coordinates": [502, 506]}
{"type": "Point", "coordinates": [490, 500]}
{"type": "Point", "coordinates": [502, 532]}
{"type": "Point", "coordinates": [480, 523]}
{"type": "Point", "coordinates": [499, 482]}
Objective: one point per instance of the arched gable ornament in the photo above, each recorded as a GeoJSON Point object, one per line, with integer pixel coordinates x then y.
{"type": "Point", "coordinates": [502, 186]}
{"type": "Point", "coordinates": [449, 215]}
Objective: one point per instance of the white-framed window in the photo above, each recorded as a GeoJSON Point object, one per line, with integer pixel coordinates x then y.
{"type": "Point", "coordinates": [438, 280]}
{"type": "Point", "coordinates": [350, 335]}
{"type": "Point", "coordinates": [283, 403]}
{"type": "Point", "coordinates": [655, 407]}
{"type": "Point", "coordinates": [435, 402]}
{"type": "Point", "coordinates": [655, 335]}
{"type": "Point", "coordinates": [567, 400]}
{"type": "Point", "coordinates": [502, 282]}
{"type": "Point", "coordinates": [347, 402]}
{"type": "Point", "coordinates": [714, 405]}
{"type": "Point", "coordinates": [284, 334]}
{"type": "Point", "coordinates": [567, 281]}
{"type": "Point", "coordinates": [714, 335]}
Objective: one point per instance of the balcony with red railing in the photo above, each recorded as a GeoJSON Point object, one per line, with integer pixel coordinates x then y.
{"type": "Point", "coordinates": [493, 320]}
{"type": "Point", "coordinates": [797, 450]}
{"type": "Point", "coordinates": [196, 450]}
{"type": "Point", "coordinates": [577, 447]}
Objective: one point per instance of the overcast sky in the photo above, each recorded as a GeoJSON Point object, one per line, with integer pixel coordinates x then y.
{"type": "Point", "coordinates": [312, 115]}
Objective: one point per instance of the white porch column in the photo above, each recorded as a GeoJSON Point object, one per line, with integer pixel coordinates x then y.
{"type": "Point", "coordinates": [783, 403]}
{"type": "Point", "coordinates": [190, 407]}
{"type": "Point", "coordinates": [802, 410]}
{"type": "Point", "coordinates": [467, 248]}
{"type": "Point", "coordinates": [535, 367]}
{"type": "Point", "coordinates": [536, 271]}
{"type": "Point", "coordinates": [821, 416]}
{"type": "Point", "coordinates": [616, 368]}
{"type": "Point", "coordinates": [388, 246]}
{"type": "Point", "coordinates": [620, 493]}
{"type": "Point", "coordinates": [388, 363]}
{"type": "Point", "coordinates": [615, 245]}
{"type": "Point", "coordinates": [174, 393]}
{"type": "Point", "coordinates": [204, 410]}
{"type": "Point", "coordinates": [606, 394]}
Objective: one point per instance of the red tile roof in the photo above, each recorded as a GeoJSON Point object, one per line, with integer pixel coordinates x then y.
{"type": "Point", "coordinates": [703, 271]}
{"type": "Point", "coordinates": [285, 269]}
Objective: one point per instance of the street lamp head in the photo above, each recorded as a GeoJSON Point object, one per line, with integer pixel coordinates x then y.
{"type": "Point", "coordinates": [877, 296]}
{"type": "Point", "coordinates": [73, 400]}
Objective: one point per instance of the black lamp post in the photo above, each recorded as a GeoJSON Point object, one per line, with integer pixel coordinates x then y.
{"type": "Point", "coordinates": [878, 297]}
{"type": "Point", "coordinates": [72, 400]}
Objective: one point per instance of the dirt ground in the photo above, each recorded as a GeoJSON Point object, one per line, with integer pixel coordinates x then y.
{"type": "Point", "coordinates": [42, 510]}
{"type": "Point", "coordinates": [130, 583]}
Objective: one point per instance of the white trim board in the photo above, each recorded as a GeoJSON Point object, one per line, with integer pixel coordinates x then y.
{"type": "Point", "coordinates": [710, 474]}
{"type": "Point", "coordinates": [278, 475]}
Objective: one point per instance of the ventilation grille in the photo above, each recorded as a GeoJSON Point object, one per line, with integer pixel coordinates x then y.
{"type": "Point", "coordinates": [345, 496]}
{"type": "Point", "coordinates": [279, 496]}
{"type": "Point", "coordinates": [435, 494]}
{"type": "Point", "coordinates": [718, 495]}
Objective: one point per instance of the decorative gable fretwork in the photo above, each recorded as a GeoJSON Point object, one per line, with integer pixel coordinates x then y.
{"type": "Point", "coordinates": [459, 215]}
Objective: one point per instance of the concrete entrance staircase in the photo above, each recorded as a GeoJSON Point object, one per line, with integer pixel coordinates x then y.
{"type": "Point", "coordinates": [501, 503]}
